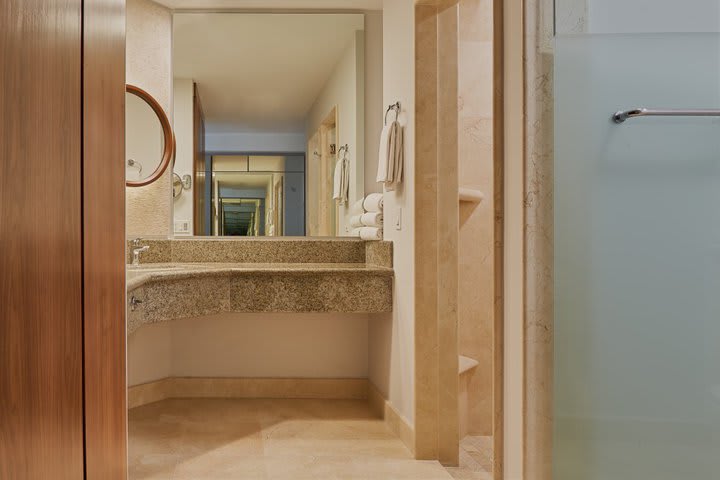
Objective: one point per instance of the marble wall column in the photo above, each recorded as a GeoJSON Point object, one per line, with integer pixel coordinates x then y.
{"type": "Point", "coordinates": [436, 231]}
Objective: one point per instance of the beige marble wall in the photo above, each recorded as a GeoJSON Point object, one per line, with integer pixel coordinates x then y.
{"type": "Point", "coordinates": [149, 66]}
{"type": "Point", "coordinates": [539, 104]}
{"type": "Point", "coordinates": [436, 231]}
{"type": "Point", "coordinates": [477, 221]}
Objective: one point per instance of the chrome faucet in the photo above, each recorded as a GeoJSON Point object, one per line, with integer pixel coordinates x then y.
{"type": "Point", "coordinates": [137, 250]}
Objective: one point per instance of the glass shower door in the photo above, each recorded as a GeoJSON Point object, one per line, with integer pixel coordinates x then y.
{"type": "Point", "coordinates": [637, 242]}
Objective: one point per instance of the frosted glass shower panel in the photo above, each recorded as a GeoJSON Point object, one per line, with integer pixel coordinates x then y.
{"type": "Point", "coordinates": [637, 259]}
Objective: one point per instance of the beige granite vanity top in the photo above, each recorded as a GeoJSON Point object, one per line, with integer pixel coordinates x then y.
{"type": "Point", "coordinates": [138, 276]}
{"type": "Point", "coordinates": [198, 277]}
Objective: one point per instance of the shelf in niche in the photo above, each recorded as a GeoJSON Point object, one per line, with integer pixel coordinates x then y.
{"type": "Point", "coordinates": [470, 195]}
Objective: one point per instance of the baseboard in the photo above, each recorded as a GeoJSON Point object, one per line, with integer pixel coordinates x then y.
{"type": "Point", "coordinates": [395, 422]}
{"type": "Point", "coordinates": [193, 387]}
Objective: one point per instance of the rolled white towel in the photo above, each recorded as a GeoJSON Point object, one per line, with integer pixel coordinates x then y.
{"type": "Point", "coordinates": [355, 232]}
{"type": "Point", "coordinates": [357, 207]}
{"type": "Point", "coordinates": [371, 233]}
{"type": "Point", "coordinates": [371, 219]}
{"type": "Point", "coordinates": [356, 221]}
{"type": "Point", "coordinates": [373, 202]}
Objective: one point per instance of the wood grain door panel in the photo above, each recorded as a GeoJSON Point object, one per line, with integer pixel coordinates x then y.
{"type": "Point", "coordinates": [104, 239]}
{"type": "Point", "coordinates": [41, 318]}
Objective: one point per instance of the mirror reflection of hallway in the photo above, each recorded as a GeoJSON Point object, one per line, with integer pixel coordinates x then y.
{"type": "Point", "coordinates": [257, 195]}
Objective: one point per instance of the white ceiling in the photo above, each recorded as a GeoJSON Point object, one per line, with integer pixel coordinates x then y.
{"type": "Point", "coordinates": [259, 72]}
{"type": "Point", "coordinates": [274, 4]}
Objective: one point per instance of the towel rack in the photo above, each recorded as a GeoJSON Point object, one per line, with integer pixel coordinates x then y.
{"type": "Point", "coordinates": [393, 107]}
{"type": "Point", "coordinates": [622, 115]}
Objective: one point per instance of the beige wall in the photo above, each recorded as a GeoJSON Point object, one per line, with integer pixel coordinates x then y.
{"type": "Point", "coordinates": [539, 149]}
{"type": "Point", "coordinates": [149, 66]}
{"type": "Point", "coordinates": [476, 295]}
{"type": "Point", "coordinates": [251, 345]}
{"type": "Point", "coordinates": [184, 136]}
{"type": "Point", "coordinates": [374, 109]}
{"type": "Point", "coordinates": [391, 337]}
{"type": "Point", "coordinates": [345, 90]}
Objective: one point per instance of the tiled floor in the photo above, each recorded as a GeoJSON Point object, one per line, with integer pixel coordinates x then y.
{"type": "Point", "coordinates": [223, 439]}
{"type": "Point", "coordinates": [476, 458]}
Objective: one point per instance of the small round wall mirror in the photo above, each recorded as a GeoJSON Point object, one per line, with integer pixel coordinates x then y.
{"type": "Point", "coordinates": [149, 139]}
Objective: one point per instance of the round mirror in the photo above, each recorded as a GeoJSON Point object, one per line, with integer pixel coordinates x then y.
{"type": "Point", "coordinates": [177, 185]}
{"type": "Point", "coordinates": [149, 139]}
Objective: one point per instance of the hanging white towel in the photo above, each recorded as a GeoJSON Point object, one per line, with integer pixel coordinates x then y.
{"type": "Point", "coordinates": [382, 171]}
{"type": "Point", "coordinates": [337, 180]}
{"type": "Point", "coordinates": [373, 202]}
{"type": "Point", "coordinates": [391, 155]}
{"type": "Point", "coordinates": [371, 233]}
{"type": "Point", "coordinates": [341, 181]}
{"type": "Point", "coordinates": [398, 157]}
{"type": "Point", "coordinates": [372, 219]}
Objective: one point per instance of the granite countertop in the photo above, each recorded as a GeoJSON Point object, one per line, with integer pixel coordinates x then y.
{"type": "Point", "coordinates": [199, 277]}
{"type": "Point", "coordinates": [138, 276]}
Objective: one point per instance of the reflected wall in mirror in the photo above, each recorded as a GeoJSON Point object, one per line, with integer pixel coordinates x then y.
{"type": "Point", "coordinates": [262, 104]}
{"type": "Point", "coordinates": [149, 141]}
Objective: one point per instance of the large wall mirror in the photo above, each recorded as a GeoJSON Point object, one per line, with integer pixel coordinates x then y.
{"type": "Point", "coordinates": [269, 112]}
{"type": "Point", "coordinates": [149, 140]}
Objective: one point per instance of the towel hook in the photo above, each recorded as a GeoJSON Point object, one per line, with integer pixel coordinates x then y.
{"type": "Point", "coordinates": [345, 148]}
{"type": "Point", "coordinates": [396, 107]}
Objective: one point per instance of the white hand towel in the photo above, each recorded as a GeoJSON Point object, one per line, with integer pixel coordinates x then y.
{"type": "Point", "coordinates": [345, 189]}
{"type": "Point", "coordinates": [383, 157]}
{"type": "Point", "coordinates": [371, 233]}
{"type": "Point", "coordinates": [373, 202]}
{"type": "Point", "coordinates": [341, 181]}
{"type": "Point", "coordinates": [356, 221]}
{"type": "Point", "coordinates": [337, 180]}
{"type": "Point", "coordinates": [399, 155]}
{"type": "Point", "coordinates": [372, 219]}
{"type": "Point", "coordinates": [355, 232]}
{"type": "Point", "coordinates": [396, 156]}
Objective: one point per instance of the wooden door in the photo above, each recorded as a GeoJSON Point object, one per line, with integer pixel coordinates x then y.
{"type": "Point", "coordinates": [103, 171]}
{"type": "Point", "coordinates": [199, 164]}
{"type": "Point", "coordinates": [41, 310]}
{"type": "Point", "coordinates": [62, 248]}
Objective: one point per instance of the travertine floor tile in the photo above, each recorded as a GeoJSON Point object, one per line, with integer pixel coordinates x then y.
{"type": "Point", "coordinates": [476, 456]}
{"type": "Point", "coordinates": [224, 439]}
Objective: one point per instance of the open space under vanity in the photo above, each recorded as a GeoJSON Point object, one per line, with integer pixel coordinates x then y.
{"type": "Point", "coordinates": [250, 358]}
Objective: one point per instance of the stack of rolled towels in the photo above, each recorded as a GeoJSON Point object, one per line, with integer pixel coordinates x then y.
{"type": "Point", "coordinates": [367, 223]}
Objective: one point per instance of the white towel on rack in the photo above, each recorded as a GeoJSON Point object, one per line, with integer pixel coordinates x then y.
{"type": "Point", "coordinates": [356, 221]}
{"type": "Point", "coordinates": [371, 233]}
{"type": "Point", "coordinates": [391, 156]}
{"type": "Point", "coordinates": [372, 219]}
{"type": "Point", "coordinates": [341, 181]}
{"type": "Point", "coordinates": [373, 202]}
{"type": "Point", "coordinates": [396, 153]}
{"type": "Point", "coordinates": [382, 171]}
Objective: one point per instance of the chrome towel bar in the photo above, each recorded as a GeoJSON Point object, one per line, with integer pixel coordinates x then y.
{"type": "Point", "coordinates": [622, 115]}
